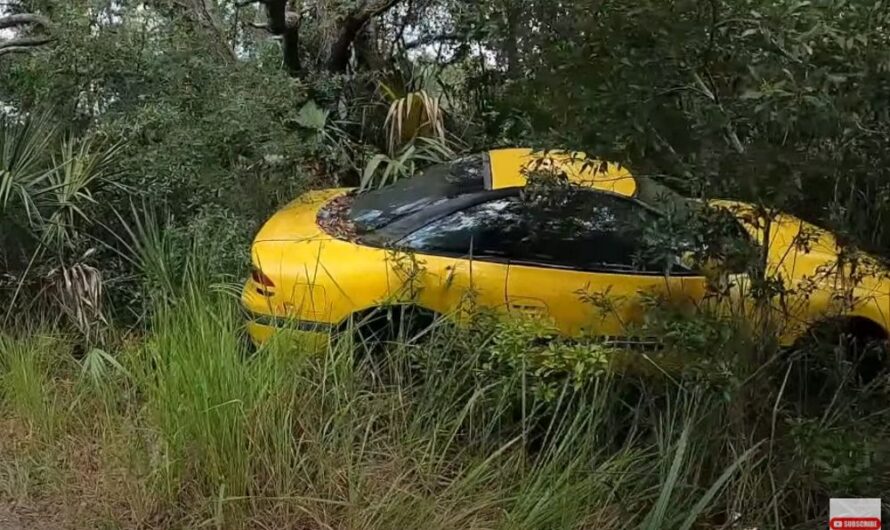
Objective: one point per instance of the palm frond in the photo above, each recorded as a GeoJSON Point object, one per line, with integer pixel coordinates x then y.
{"type": "Point", "coordinates": [24, 145]}
{"type": "Point", "coordinates": [415, 115]}
{"type": "Point", "coordinates": [385, 169]}
{"type": "Point", "coordinates": [77, 290]}
{"type": "Point", "coordinates": [78, 167]}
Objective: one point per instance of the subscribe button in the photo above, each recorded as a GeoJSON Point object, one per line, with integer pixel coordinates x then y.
{"type": "Point", "coordinates": [862, 523]}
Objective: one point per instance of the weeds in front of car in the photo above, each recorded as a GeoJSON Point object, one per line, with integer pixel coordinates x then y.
{"type": "Point", "coordinates": [314, 441]}
{"type": "Point", "coordinates": [488, 427]}
{"type": "Point", "coordinates": [488, 434]}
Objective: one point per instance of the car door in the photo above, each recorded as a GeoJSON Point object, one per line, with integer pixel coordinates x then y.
{"type": "Point", "coordinates": [460, 264]}
{"type": "Point", "coordinates": [582, 263]}
{"type": "Point", "coordinates": [573, 262]}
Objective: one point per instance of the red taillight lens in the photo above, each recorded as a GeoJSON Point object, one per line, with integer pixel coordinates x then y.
{"type": "Point", "coordinates": [261, 278]}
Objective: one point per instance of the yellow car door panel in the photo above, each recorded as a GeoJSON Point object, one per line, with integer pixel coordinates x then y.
{"type": "Point", "coordinates": [457, 287]}
{"type": "Point", "coordinates": [553, 260]}
{"type": "Point", "coordinates": [597, 303]}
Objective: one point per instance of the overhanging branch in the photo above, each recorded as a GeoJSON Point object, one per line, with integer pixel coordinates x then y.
{"type": "Point", "coordinates": [15, 49]}
{"type": "Point", "coordinates": [25, 42]}
{"type": "Point", "coordinates": [22, 19]}
{"type": "Point", "coordinates": [338, 59]}
{"type": "Point", "coordinates": [28, 42]}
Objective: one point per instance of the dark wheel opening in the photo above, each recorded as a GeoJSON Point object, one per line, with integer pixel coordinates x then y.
{"type": "Point", "coordinates": [383, 337]}
{"type": "Point", "coordinates": [834, 355]}
{"type": "Point", "coordinates": [868, 344]}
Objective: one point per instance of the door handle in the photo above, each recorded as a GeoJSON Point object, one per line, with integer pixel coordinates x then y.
{"type": "Point", "coordinates": [528, 306]}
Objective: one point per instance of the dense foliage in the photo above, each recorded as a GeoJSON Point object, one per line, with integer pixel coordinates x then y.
{"type": "Point", "coordinates": [142, 143]}
{"type": "Point", "coordinates": [781, 103]}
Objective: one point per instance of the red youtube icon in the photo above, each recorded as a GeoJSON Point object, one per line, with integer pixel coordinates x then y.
{"type": "Point", "coordinates": [862, 523]}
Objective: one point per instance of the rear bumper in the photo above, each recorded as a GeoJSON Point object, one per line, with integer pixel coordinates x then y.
{"type": "Point", "coordinates": [289, 324]}
{"type": "Point", "coordinates": [262, 328]}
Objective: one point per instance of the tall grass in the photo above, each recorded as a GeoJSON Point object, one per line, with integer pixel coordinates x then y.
{"type": "Point", "coordinates": [196, 391]}
{"type": "Point", "coordinates": [26, 385]}
{"type": "Point", "coordinates": [181, 426]}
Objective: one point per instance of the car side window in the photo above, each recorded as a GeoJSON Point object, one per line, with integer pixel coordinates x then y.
{"type": "Point", "coordinates": [490, 229]}
{"type": "Point", "coordinates": [583, 230]}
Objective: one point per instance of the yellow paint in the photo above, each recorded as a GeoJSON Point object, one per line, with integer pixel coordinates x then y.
{"type": "Point", "coordinates": [322, 279]}
{"type": "Point", "coordinates": [510, 166]}
{"type": "Point", "coordinates": [309, 341]}
{"type": "Point", "coordinates": [806, 258]}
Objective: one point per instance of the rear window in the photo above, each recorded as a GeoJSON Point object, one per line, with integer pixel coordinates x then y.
{"type": "Point", "coordinates": [439, 183]}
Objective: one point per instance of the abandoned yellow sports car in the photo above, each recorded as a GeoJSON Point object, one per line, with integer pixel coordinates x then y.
{"type": "Point", "coordinates": [470, 233]}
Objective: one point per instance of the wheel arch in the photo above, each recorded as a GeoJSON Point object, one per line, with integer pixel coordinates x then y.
{"type": "Point", "coordinates": [857, 325]}
{"type": "Point", "coordinates": [865, 327]}
{"type": "Point", "coordinates": [365, 314]}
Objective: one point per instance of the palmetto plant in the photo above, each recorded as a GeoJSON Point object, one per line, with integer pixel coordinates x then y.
{"type": "Point", "coordinates": [76, 167]}
{"type": "Point", "coordinates": [24, 147]}
{"type": "Point", "coordinates": [414, 127]}
{"type": "Point", "coordinates": [384, 169]}
{"type": "Point", "coordinates": [46, 181]}
{"type": "Point", "coordinates": [413, 115]}
{"type": "Point", "coordinates": [415, 106]}
{"type": "Point", "coordinates": [46, 185]}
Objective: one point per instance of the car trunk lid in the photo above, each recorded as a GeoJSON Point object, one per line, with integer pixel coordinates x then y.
{"type": "Point", "coordinates": [297, 221]}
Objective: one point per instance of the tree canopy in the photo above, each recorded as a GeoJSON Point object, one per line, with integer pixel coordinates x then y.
{"type": "Point", "coordinates": [224, 109]}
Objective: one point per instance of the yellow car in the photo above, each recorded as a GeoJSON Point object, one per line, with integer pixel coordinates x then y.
{"type": "Point", "coordinates": [469, 233]}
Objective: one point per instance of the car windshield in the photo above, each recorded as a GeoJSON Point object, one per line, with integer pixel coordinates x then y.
{"type": "Point", "coordinates": [375, 209]}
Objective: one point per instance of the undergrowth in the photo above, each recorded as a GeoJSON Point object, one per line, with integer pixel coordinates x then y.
{"type": "Point", "coordinates": [481, 428]}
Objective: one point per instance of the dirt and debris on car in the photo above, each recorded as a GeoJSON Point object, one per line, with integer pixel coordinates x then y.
{"type": "Point", "coordinates": [334, 217]}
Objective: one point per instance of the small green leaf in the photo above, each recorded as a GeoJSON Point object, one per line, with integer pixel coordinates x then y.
{"type": "Point", "coordinates": [313, 117]}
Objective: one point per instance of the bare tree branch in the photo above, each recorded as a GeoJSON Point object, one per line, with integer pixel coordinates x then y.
{"type": "Point", "coordinates": [434, 39]}
{"type": "Point", "coordinates": [25, 43]}
{"type": "Point", "coordinates": [15, 49]}
{"type": "Point", "coordinates": [13, 21]}
{"type": "Point", "coordinates": [338, 59]}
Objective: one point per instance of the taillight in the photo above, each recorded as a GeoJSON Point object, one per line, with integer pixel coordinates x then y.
{"type": "Point", "coordinates": [261, 278]}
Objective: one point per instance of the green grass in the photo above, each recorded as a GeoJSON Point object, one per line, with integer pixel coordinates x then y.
{"type": "Point", "coordinates": [26, 385]}
{"type": "Point", "coordinates": [180, 426]}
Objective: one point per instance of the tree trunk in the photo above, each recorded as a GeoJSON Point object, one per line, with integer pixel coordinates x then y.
{"type": "Point", "coordinates": [511, 41]}
{"type": "Point", "coordinates": [285, 24]}
{"type": "Point", "coordinates": [367, 54]}
{"type": "Point", "coordinates": [350, 28]}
